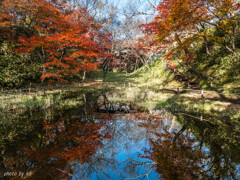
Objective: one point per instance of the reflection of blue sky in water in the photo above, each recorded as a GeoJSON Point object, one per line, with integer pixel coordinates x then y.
{"type": "Point", "coordinates": [119, 156]}
{"type": "Point", "coordinates": [209, 144]}
{"type": "Point", "coordinates": [116, 152]}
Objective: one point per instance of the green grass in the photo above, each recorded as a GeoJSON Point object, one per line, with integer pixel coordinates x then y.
{"type": "Point", "coordinates": [67, 98]}
{"type": "Point", "coordinates": [142, 77]}
{"type": "Point", "coordinates": [122, 87]}
{"type": "Point", "coordinates": [150, 98]}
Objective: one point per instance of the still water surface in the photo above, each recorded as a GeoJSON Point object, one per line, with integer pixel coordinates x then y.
{"type": "Point", "coordinates": [81, 143]}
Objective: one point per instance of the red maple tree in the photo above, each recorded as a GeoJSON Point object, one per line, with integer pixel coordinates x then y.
{"type": "Point", "coordinates": [65, 39]}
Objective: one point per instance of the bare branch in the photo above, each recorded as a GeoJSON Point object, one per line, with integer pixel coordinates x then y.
{"type": "Point", "coordinates": [153, 5]}
{"type": "Point", "coordinates": [68, 173]}
{"type": "Point", "coordinates": [146, 174]}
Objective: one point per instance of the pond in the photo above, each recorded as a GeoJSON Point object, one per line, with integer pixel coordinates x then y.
{"type": "Point", "coordinates": [117, 141]}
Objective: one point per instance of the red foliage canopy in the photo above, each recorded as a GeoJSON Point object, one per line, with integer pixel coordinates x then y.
{"type": "Point", "coordinates": [66, 40]}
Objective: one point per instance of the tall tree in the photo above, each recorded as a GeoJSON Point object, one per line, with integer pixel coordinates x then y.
{"type": "Point", "coordinates": [65, 39]}
{"type": "Point", "coordinates": [181, 23]}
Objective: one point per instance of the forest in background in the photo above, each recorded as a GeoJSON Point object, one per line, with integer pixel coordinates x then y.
{"type": "Point", "coordinates": [64, 41]}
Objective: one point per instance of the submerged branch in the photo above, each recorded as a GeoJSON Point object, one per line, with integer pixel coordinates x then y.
{"type": "Point", "coordinates": [146, 174]}
{"type": "Point", "coordinates": [68, 173]}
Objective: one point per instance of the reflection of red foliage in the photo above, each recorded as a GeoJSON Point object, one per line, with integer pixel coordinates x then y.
{"type": "Point", "coordinates": [61, 144]}
{"type": "Point", "coordinates": [108, 136]}
{"type": "Point", "coordinates": [103, 116]}
{"type": "Point", "coordinates": [175, 156]}
{"type": "Point", "coordinates": [84, 137]}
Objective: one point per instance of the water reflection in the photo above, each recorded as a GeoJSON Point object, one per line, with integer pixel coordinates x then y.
{"type": "Point", "coordinates": [198, 150]}
{"type": "Point", "coordinates": [80, 144]}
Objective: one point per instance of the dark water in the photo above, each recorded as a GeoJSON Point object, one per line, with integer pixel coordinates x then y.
{"type": "Point", "coordinates": [85, 143]}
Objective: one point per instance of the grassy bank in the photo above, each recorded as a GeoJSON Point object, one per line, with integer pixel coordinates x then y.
{"type": "Point", "coordinates": [61, 97]}
{"type": "Point", "coordinates": [155, 100]}
{"type": "Point", "coordinates": [158, 89]}
{"type": "Point", "coordinates": [153, 91]}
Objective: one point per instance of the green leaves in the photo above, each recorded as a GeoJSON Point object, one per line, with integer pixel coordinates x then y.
{"type": "Point", "coordinates": [16, 70]}
{"type": "Point", "coordinates": [65, 42]}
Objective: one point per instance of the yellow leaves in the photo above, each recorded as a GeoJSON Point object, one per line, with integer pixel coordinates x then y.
{"type": "Point", "coordinates": [224, 22]}
{"type": "Point", "coordinates": [227, 25]}
{"type": "Point", "coordinates": [218, 39]}
{"type": "Point", "coordinates": [28, 20]}
{"type": "Point", "coordinates": [229, 22]}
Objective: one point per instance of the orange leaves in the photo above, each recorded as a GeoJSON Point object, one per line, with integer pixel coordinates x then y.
{"type": "Point", "coordinates": [52, 77]}
{"type": "Point", "coordinates": [68, 59]}
{"type": "Point", "coordinates": [83, 53]}
{"type": "Point", "coordinates": [76, 141]}
{"type": "Point", "coordinates": [169, 56]}
{"type": "Point", "coordinates": [62, 39]}
{"type": "Point", "coordinates": [48, 126]}
{"type": "Point", "coordinates": [88, 66]}
{"type": "Point", "coordinates": [182, 17]}
{"type": "Point", "coordinates": [171, 65]}
{"type": "Point", "coordinates": [176, 20]}
{"type": "Point", "coordinates": [46, 75]}
{"type": "Point", "coordinates": [179, 24]}
{"type": "Point", "coordinates": [56, 64]}
{"type": "Point", "coordinates": [4, 16]}
{"type": "Point", "coordinates": [32, 42]}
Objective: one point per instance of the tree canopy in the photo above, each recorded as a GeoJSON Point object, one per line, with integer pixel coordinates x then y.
{"type": "Point", "coordinates": [66, 39]}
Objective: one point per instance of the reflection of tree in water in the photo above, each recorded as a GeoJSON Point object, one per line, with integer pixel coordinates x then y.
{"type": "Point", "coordinates": [14, 129]}
{"type": "Point", "coordinates": [222, 137]}
{"type": "Point", "coordinates": [176, 160]}
{"type": "Point", "coordinates": [200, 149]}
{"type": "Point", "coordinates": [122, 133]}
{"type": "Point", "coordinates": [127, 131]}
{"type": "Point", "coordinates": [61, 144]}
{"type": "Point", "coordinates": [88, 145]}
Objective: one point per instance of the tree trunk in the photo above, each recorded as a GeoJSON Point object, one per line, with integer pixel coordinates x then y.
{"type": "Point", "coordinates": [205, 39]}
{"type": "Point", "coordinates": [233, 38]}
{"type": "Point", "coordinates": [84, 76]}
{"type": "Point", "coordinates": [135, 68]}
{"type": "Point", "coordinates": [120, 62]}
{"type": "Point", "coordinates": [145, 64]}
{"type": "Point", "coordinates": [104, 75]}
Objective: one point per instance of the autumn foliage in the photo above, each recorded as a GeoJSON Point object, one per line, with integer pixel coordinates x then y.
{"type": "Point", "coordinates": [179, 24]}
{"type": "Point", "coordinates": [65, 39]}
